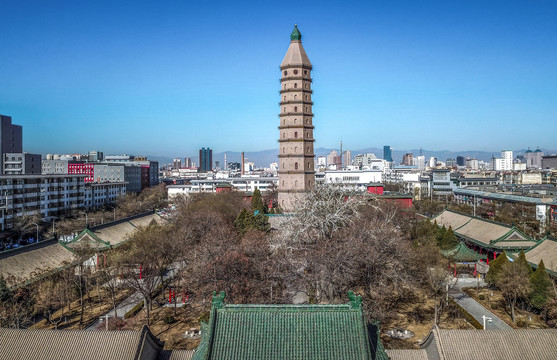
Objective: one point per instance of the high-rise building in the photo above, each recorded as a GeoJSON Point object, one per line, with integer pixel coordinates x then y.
{"type": "Point", "coordinates": [450, 162]}
{"type": "Point", "coordinates": [205, 160]}
{"type": "Point", "coordinates": [387, 153]}
{"type": "Point", "coordinates": [296, 158]}
{"type": "Point", "coordinates": [432, 162]}
{"type": "Point", "coordinates": [407, 159]}
{"type": "Point", "coordinates": [506, 160]}
{"type": "Point", "coordinates": [332, 158]}
{"type": "Point", "coordinates": [347, 158]}
{"type": "Point", "coordinates": [419, 161]}
{"type": "Point", "coordinates": [187, 162]}
{"type": "Point", "coordinates": [176, 163]}
{"type": "Point", "coordinates": [460, 161]}
{"type": "Point", "coordinates": [10, 138]}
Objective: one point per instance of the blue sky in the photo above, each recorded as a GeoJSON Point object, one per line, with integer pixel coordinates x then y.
{"type": "Point", "coordinates": [168, 77]}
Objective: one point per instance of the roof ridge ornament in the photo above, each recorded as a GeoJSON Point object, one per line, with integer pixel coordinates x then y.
{"type": "Point", "coordinates": [355, 300]}
{"type": "Point", "coordinates": [296, 35]}
{"type": "Point", "coordinates": [218, 300]}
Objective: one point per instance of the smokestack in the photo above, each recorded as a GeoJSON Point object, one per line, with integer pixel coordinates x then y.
{"type": "Point", "coordinates": [242, 163]}
{"type": "Point", "coordinates": [225, 162]}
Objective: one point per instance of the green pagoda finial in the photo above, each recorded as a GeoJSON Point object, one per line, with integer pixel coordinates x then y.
{"type": "Point", "coordinates": [296, 34]}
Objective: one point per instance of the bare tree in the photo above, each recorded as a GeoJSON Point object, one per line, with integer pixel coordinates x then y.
{"type": "Point", "coordinates": [514, 282]}
{"type": "Point", "coordinates": [318, 214]}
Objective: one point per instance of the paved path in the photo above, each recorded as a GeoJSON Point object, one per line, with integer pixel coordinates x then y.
{"type": "Point", "coordinates": [127, 304]}
{"type": "Point", "coordinates": [475, 308]}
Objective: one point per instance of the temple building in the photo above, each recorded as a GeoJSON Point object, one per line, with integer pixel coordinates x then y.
{"type": "Point", "coordinates": [296, 157]}
{"type": "Point", "coordinates": [279, 332]}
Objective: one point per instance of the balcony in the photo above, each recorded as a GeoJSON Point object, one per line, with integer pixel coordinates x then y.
{"type": "Point", "coordinates": [303, 102]}
{"type": "Point", "coordinates": [301, 126]}
{"type": "Point", "coordinates": [308, 91]}
{"type": "Point", "coordinates": [298, 77]}
{"type": "Point", "coordinates": [296, 114]}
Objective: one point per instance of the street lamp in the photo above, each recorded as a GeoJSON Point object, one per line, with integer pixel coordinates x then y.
{"type": "Point", "coordinates": [37, 231]}
{"type": "Point", "coordinates": [488, 320]}
{"type": "Point", "coordinates": [113, 208]}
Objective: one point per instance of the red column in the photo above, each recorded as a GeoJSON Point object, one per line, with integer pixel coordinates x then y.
{"type": "Point", "coordinates": [169, 296]}
{"type": "Point", "coordinates": [140, 274]}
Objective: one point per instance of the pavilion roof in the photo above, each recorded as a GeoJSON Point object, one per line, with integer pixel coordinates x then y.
{"type": "Point", "coordinates": [461, 252]}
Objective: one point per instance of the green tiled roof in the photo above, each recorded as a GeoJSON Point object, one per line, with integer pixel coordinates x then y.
{"type": "Point", "coordinates": [237, 332]}
{"type": "Point", "coordinates": [462, 253]}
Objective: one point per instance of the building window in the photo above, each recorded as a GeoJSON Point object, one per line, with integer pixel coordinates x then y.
{"type": "Point", "coordinates": [285, 72]}
{"type": "Point", "coordinates": [295, 134]}
{"type": "Point", "coordinates": [295, 72]}
{"type": "Point", "coordinates": [295, 85]}
{"type": "Point", "coordinates": [295, 166]}
{"type": "Point", "coordinates": [305, 72]}
{"type": "Point", "coordinates": [295, 109]}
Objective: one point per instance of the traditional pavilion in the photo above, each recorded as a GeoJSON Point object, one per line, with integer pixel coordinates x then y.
{"type": "Point", "coordinates": [485, 236]}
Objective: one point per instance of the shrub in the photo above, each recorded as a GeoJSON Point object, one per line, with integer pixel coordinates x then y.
{"type": "Point", "coordinates": [521, 322]}
{"type": "Point", "coordinates": [481, 297]}
{"type": "Point", "coordinates": [137, 308]}
{"type": "Point", "coordinates": [204, 318]}
{"type": "Point", "coordinates": [169, 319]}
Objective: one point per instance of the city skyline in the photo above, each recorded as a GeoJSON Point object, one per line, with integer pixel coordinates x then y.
{"type": "Point", "coordinates": [168, 80]}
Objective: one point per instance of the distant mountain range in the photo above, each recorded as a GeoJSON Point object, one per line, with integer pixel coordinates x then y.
{"type": "Point", "coordinates": [263, 158]}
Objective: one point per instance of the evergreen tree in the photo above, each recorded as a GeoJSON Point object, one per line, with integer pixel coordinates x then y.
{"type": "Point", "coordinates": [521, 261]}
{"type": "Point", "coordinates": [440, 234]}
{"type": "Point", "coordinates": [495, 268]}
{"type": "Point", "coordinates": [261, 222]}
{"type": "Point", "coordinates": [541, 286]}
{"type": "Point", "coordinates": [449, 240]}
{"type": "Point", "coordinates": [240, 221]}
{"type": "Point", "coordinates": [257, 202]}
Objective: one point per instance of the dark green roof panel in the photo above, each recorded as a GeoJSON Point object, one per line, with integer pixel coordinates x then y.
{"type": "Point", "coordinates": [287, 332]}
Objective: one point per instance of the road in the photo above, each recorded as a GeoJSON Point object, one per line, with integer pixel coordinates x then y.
{"type": "Point", "coordinates": [473, 307]}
